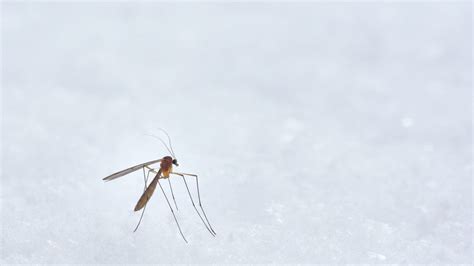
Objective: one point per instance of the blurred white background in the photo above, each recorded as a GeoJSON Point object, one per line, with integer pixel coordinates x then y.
{"type": "Point", "coordinates": [323, 133]}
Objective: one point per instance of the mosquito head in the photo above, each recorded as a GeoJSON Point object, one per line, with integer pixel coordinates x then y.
{"type": "Point", "coordinates": [175, 162]}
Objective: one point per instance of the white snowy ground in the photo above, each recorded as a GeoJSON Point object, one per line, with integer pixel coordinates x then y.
{"type": "Point", "coordinates": [321, 132]}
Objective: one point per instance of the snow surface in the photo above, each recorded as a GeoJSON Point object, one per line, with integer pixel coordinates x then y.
{"type": "Point", "coordinates": [330, 133]}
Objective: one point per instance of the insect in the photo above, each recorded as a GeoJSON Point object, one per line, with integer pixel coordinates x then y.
{"type": "Point", "coordinates": [165, 170]}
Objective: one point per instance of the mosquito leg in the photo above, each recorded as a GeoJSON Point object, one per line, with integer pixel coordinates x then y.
{"type": "Point", "coordinates": [176, 220]}
{"type": "Point", "coordinates": [192, 201]}
{"type": "Point", "coordinates": [151, 169]}
{"type": "Point", "coordinates": [145, 179]}
{"type": "Point", "coordinates": [199, 198]}
{"type": "Point", "coordinates": [172, 194]}
{"type": "Point", "coordinates": [200, 204]}
{"type": "Point", "coordinates": [143, 211]}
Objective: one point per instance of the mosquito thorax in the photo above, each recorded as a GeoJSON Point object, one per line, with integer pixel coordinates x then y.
{"type": "Point", "coordinates": [166, 162]}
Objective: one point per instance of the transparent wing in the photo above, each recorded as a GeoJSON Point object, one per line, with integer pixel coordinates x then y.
{"type": "Point", "coordinates": [129, 170]}
{"type": "Point", "coordinates": [147, 193]}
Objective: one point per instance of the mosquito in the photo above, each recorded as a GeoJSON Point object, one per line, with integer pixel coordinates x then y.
{"type": "Point", "coordinates": [164, 172]}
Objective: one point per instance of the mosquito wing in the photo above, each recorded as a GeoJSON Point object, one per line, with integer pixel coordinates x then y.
{"type": "Point", "coordinates": [147, 193]}
{"type": "Point", "coordinates": [129, 170]}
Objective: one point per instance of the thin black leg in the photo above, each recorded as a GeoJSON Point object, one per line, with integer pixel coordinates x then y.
{"type": "Point", "coordinates": [200, 205]}
{"type": "Point", "coordinates": [143, 211]}
{"type": "Point", "coordinates": [176, 220]}
{"type": "Point", "coordinates": [172, 194]}
{"type": "Point", "coordinates": [192, 201]}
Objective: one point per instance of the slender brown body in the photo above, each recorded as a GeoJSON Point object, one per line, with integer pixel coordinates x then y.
{"type": "Point", "coordinates": [147, 193]}
{"type": "Point", "coordinates": [166, 167]}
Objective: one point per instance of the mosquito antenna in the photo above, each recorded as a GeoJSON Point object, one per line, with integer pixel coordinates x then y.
{"type": "Point", "coordinates": [169, 140]}
{"type": "Point", "coordinates": [162, 141]}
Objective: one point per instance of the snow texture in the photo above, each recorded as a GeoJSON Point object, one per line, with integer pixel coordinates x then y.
{"type": "Point", "coordinates": [322, 133]}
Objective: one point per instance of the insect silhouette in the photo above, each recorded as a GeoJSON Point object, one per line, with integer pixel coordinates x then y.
{"type": "Point", "coordinates": [165, 170]}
